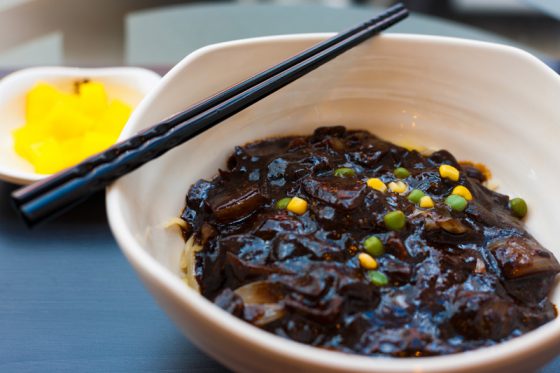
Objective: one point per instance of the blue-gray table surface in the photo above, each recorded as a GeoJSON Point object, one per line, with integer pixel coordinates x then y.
{"type": "Point", "coordinates": [69, 302]}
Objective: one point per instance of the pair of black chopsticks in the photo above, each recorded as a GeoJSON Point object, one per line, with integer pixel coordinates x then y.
{"type": "Point", "coordinates": [50, 197]}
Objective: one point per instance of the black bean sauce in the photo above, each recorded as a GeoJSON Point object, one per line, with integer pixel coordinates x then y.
{"type": "Point", "coordinates": [456, 280]}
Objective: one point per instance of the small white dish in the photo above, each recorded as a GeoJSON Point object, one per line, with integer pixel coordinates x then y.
{"type": "Point", "coordinates": [483, 102]}
{"type": "Point", "coordinates": [129, 84]}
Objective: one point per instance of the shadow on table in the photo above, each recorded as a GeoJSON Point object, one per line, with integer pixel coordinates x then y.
{"type": "Point", "coordinates": [66, 279]}
{"type": "Point", "coordinates": [91, 211]}
{"type": "Point", "coordinates": [186, 357]}
{"type": "Point", "coordinates": [82, 229]}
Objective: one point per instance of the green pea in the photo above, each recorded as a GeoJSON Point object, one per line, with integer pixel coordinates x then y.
{"type": "Point", "coordinates": [395, 220]}
{"type": "Point", "coordinates": [401, 173]}
{"type": "Point", "coordinates": [415, 196]}
{"type": "Point", "coordinates": [519, 207]}
{"type": "Point", "coordinates": [378, 278]}
{"type": "Point", "coordinates": [456, 202]}
{"type": "Point", "coordinates": [283, 203]}
{"type": "Point", "coordinates": [374, 246]}
{"type": "Point", "coordinates": [344, 172]}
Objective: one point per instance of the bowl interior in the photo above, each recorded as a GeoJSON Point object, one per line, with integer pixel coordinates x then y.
{"type": "Point", "coordinates": [127, 84]}
{"type": "Point", "coordinates": [476, 100]}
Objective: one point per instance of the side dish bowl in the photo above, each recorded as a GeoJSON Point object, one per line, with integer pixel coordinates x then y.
{"type": "Point", "coordinates": [129, 84]}
{"type": "Point", "coordinates": [483, 102]}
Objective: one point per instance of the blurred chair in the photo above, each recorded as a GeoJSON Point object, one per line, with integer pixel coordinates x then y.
{"type": "Point", "coordinates": [92, 30]}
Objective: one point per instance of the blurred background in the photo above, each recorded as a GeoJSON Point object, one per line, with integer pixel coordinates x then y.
{"type": "Point", "coordinates": [160, 32]}
{"type": "Point", "coordinates": [69, 300]}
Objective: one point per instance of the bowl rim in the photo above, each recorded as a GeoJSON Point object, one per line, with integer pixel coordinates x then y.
{"type": "Point", "coordinates": [16, 176]}
{"type": "Point", "coordinates": [509, 352]}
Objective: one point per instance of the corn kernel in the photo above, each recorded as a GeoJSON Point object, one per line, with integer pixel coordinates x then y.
{"type": "Point", "coordinates": [463, 192]}
{"type": "Point", "coordinates": [367, 261]}
{"type": "Point", "coordinates": [398, 186]}
{"type": "Point", "coordinates": [449, 172]}
{"type": "Point", "coordinates": [426, 202]}
{"type": "Point", "coordinates": [377, 184]}
{"type": "Point", "coordinates": [297, 205]}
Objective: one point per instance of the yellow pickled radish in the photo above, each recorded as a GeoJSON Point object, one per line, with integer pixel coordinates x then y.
{"type": "Point", "coordinates": [72, 150]}
{"type": "Point", "coordinates": [94, 142]}
{"type": "Point", "coordinates": [114, 118]}
{"type": "Point", "coordinates": [62, 129]}
{"type": "Point", "coordinates": [26, 136]}
{"type": "Point", "coordinates": [46, 156]}
{"type": "Point", "coordinates": [93, 98]}
{"type": "Point", "coordinates": [66, 121]}
{"type": "Point", "coordinates": [39, 101]}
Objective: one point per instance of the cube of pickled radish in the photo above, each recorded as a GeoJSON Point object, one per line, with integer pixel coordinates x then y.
{"type": "Point", "coordinates": [46, 156]}
{"type": "Point", "coordinates": [71, 101]}
{"type": "Point", "coordinates": [114, 118]}
{"type": "Point", "coordinates": [64, 128]}
{"type": "Point", "coordinates": [65, 121]}
{"type": "Point", "coordinates": [27, 135]}
{"type": "Point", "coordinates": [93, 98]}
{"type": "Point", "coordinates": [95, 142]}
{"type": "Point", "coordinates": [72, 152]}
{"type": "Point", "coordinates": [40, 100]}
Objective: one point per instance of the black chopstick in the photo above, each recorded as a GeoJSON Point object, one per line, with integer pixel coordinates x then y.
{"type": "Point", "coordinates": [55, 196]}
{"type": "Point", "coordinates": [84, 167]}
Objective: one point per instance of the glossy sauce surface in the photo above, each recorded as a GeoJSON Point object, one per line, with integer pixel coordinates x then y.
{"type": "Point", "coordinates": [457, 280]}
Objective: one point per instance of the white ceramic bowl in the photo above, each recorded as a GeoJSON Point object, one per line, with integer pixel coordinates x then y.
{"type": "Point", "coordinates": [129, 84]}
{"type": "Point", "coordinates": [484, 102]}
